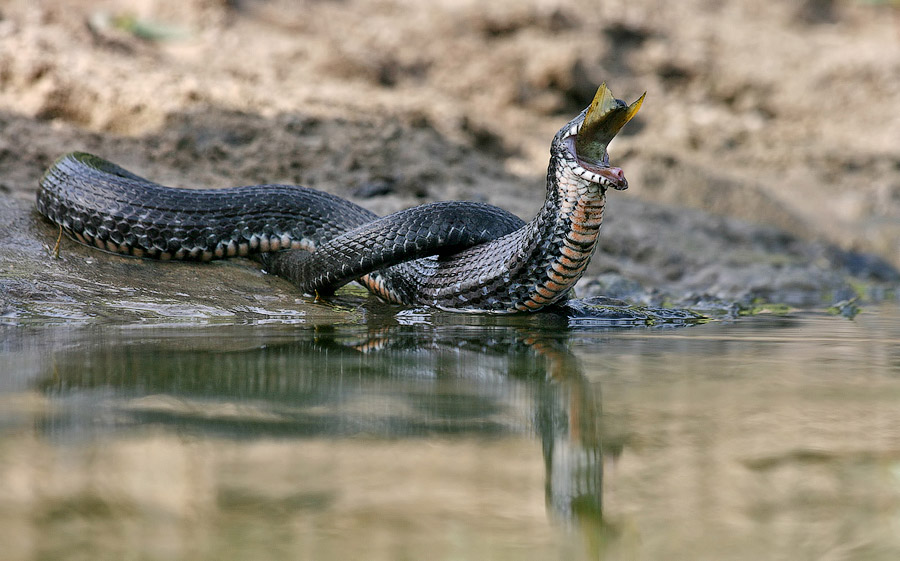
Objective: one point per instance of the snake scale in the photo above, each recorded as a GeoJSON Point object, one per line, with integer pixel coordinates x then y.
{"type": "Point", "coordinates": [452, 255]}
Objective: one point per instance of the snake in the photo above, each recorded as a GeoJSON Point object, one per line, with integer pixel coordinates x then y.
{"type": "Point", "coordinates": [454, 255]}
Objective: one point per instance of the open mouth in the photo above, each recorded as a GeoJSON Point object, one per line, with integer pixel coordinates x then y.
{"type": "Point", "coordinates": [597, 172]}
{"type": "Point", "coordinates": [588, 141]}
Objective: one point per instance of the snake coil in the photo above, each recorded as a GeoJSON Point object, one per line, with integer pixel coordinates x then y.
{"type": "Point", "coordinates": [452, 255]}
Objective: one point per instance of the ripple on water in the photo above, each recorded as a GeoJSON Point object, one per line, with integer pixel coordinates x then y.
{"type": "Point", "coordinates": [766, 437]}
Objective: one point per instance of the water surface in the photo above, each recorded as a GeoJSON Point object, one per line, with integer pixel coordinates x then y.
{"type": "Point", "coordinates": [420, 436]}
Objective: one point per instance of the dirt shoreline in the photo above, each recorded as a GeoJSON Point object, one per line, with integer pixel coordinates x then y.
{"type": "Point", "coordinates": [778, 127]}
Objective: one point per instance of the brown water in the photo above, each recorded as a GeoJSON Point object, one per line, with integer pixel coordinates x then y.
{"type": "Point", "coordinates": [453, 437]}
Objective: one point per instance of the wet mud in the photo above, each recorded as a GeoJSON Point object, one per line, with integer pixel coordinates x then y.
{"type": "Point", "coordinates": [757, 175]}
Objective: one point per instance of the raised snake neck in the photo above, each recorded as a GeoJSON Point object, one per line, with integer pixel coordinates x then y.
{"type": "Point", "coordinates": [456, 255]}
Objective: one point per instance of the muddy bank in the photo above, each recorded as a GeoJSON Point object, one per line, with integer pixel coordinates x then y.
{"type": "Point", "coordinates": [649, 254]}
{"type": "Point", "coordinates": [753, 121]}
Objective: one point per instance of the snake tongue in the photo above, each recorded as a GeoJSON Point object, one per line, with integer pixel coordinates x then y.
{"type": "Point", "coordinates": [605, 117]}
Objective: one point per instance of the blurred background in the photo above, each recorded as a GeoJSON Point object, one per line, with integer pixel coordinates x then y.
{"type": "Point", "coordinates": [785, 114]}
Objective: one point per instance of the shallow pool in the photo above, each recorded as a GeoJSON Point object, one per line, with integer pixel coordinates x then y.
{"type": "Point", "coordinates": [419, 436]}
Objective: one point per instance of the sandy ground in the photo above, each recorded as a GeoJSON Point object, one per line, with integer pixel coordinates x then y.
{"type": "Point", "coordinates": [765, 160]}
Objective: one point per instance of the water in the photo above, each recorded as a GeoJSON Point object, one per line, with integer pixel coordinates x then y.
{"type": "Point", "coordinates": [453, 437]}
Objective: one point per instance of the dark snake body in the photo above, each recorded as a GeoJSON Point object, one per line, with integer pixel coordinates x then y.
{"type": "Point", "coordinates": [454, 255]}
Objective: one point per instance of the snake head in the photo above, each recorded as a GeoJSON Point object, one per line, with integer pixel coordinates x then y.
{"type": "Point", "coordinates": [603, 119]}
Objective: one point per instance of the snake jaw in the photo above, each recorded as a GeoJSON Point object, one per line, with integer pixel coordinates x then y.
{"type": "Point", "coordinates": [600, 173]}
{"type": "Point", "coordinates": [588, 140]}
